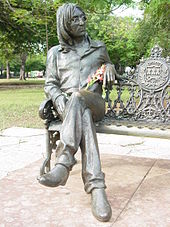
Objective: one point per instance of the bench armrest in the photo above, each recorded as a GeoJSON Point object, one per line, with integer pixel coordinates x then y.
{"type": "Point", "coordinates": [46, 110]}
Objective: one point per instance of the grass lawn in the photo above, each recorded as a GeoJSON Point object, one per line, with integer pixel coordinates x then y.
{"type": "Point", "coordinates": [19, 107]}
{"type": "Point", "coordinates": [22, 82]}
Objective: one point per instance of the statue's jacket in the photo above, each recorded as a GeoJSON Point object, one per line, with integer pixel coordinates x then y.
{"type": "Point", "coordinates": [67, 72]}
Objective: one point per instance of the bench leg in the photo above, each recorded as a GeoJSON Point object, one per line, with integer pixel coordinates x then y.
{"type": "Point", "coordinates": [45, 168]}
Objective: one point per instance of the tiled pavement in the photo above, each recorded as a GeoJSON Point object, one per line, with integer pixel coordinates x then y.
{"type": "Point", "coordinates": [137, 176]}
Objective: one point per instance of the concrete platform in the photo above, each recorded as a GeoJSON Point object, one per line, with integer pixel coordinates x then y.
{"type": "Point", "coordinates": [138, 188]}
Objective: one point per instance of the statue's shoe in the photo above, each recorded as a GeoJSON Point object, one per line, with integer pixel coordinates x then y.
{"type": "Point", "coordinates": [100, 206]}
{"type": "Point", "coordinates": [57, 176]}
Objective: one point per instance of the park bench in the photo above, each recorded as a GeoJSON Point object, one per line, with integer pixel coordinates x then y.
{"type": "Point", "coordinates": [138, 101]}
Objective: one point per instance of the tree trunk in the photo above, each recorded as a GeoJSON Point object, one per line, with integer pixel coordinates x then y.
{"type": "Point", "coordinates": [22, 68]}
{"type": "Point", "coordinates": [7, 70]}
{"type": "Point", "coordinates": [1, 70]}
{"type": "Point", "coordinates": [46, 31]}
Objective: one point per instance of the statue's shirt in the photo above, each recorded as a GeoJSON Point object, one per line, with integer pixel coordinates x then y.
{"type": "Point", "coordinates": [67, 72]}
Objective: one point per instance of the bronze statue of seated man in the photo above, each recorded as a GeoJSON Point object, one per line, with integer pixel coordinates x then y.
{"type": "Point", "coordinates": [69, 65]}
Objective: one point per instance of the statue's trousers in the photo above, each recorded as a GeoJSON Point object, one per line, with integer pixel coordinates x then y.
{"type": "Point", "coordinates": [78, 130]}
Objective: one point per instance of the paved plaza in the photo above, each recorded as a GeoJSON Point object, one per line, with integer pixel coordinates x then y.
{"type": "Point", "coordinates": [137, 176]}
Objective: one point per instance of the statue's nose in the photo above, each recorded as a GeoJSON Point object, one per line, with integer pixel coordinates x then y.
{"type": "Point", "coordinates": [81, 21]}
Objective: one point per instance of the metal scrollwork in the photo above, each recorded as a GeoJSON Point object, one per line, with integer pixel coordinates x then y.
{"type": "Point", "coordinates": [149, 91]}
{"type": "Point", "coordinates": [153, 77]}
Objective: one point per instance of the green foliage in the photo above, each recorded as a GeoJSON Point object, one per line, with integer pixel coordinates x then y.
{"type": "Point", "coordinates": [24, 29]}
{"type": "Point", "coordinates": [24, 23]}
{"type": "Point", "coordinates": [7, 49]}
{"type": "Point", "coordinates": [154, 28]}
{"type": "Point", "coordinates": [118, 35]}
{"type": "Point", "coordinates": [35, 62]}
{"type": "Point", "coordinates": [100, 7]}
{"type": "Point", "coordinates": [15, 64]}
{"type": "Point", "coordinates": [30, 27]}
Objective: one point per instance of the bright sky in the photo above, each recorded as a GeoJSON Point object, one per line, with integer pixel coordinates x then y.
{"type": "Point", "coordinates": [129, 12]}
{"type": "Point", "coordinates": [124, 11]}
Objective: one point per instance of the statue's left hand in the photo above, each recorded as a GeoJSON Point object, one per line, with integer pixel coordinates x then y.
{"type": "Point", "coordinates": [109, 76]}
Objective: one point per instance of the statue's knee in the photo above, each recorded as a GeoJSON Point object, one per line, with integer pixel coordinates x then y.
{"type": "Point", "coordinates": [76, 96]}
{"type": "Point", "coordinates": [77, 100]}
{"type": "Point", "coordinates": [87, 112]}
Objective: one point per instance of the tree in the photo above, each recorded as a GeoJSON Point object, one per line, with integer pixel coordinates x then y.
{"type": "Point", "coordinates": [6, 53]}
{"type": "Point", "coordinates": [119, 36]}
{"type": "Point", "coordinates": [25, 26]}
{"type": "Point", "coordinates": [30, 26]}
{"type": "Point", "coordinates": [154, 28]}
{"type": "Point", "coordinates": [35, 62]}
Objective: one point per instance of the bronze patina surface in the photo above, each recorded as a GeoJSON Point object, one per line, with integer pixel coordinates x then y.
{"type": "Point", "coordinates": [68, 67]}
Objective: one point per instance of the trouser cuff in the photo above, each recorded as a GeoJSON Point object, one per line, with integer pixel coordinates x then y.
{"type": "Point", "coordinates": [67, 161]}
{"type": "Point", "coordinates": [88, 187]}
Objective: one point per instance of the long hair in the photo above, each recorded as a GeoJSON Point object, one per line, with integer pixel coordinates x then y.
{"type": "Point", "coordinates": [64, 16]}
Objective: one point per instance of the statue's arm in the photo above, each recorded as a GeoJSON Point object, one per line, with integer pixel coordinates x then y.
{"type": "Point", "coordinates": [52, 83]}
{"type": "Point", "coordinates": [110, 73]}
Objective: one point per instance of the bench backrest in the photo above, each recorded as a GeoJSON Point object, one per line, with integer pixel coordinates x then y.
{"type": "Point", "coordinates": [144, 96]}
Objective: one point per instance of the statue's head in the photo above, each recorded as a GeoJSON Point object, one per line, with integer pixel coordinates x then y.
{"type": "Point", "coordinates": [70, 24]}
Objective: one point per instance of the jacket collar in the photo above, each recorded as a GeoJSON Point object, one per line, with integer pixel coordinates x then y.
{"type": "Point", "coordinates": [93, 43]}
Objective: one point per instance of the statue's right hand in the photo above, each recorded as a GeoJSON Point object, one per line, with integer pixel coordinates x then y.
{"type": "Point", "coordinates": [60, 104]}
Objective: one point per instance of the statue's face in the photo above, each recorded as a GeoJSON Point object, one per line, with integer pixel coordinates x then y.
{"type": "Point", "coordinates": [78, 24]}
